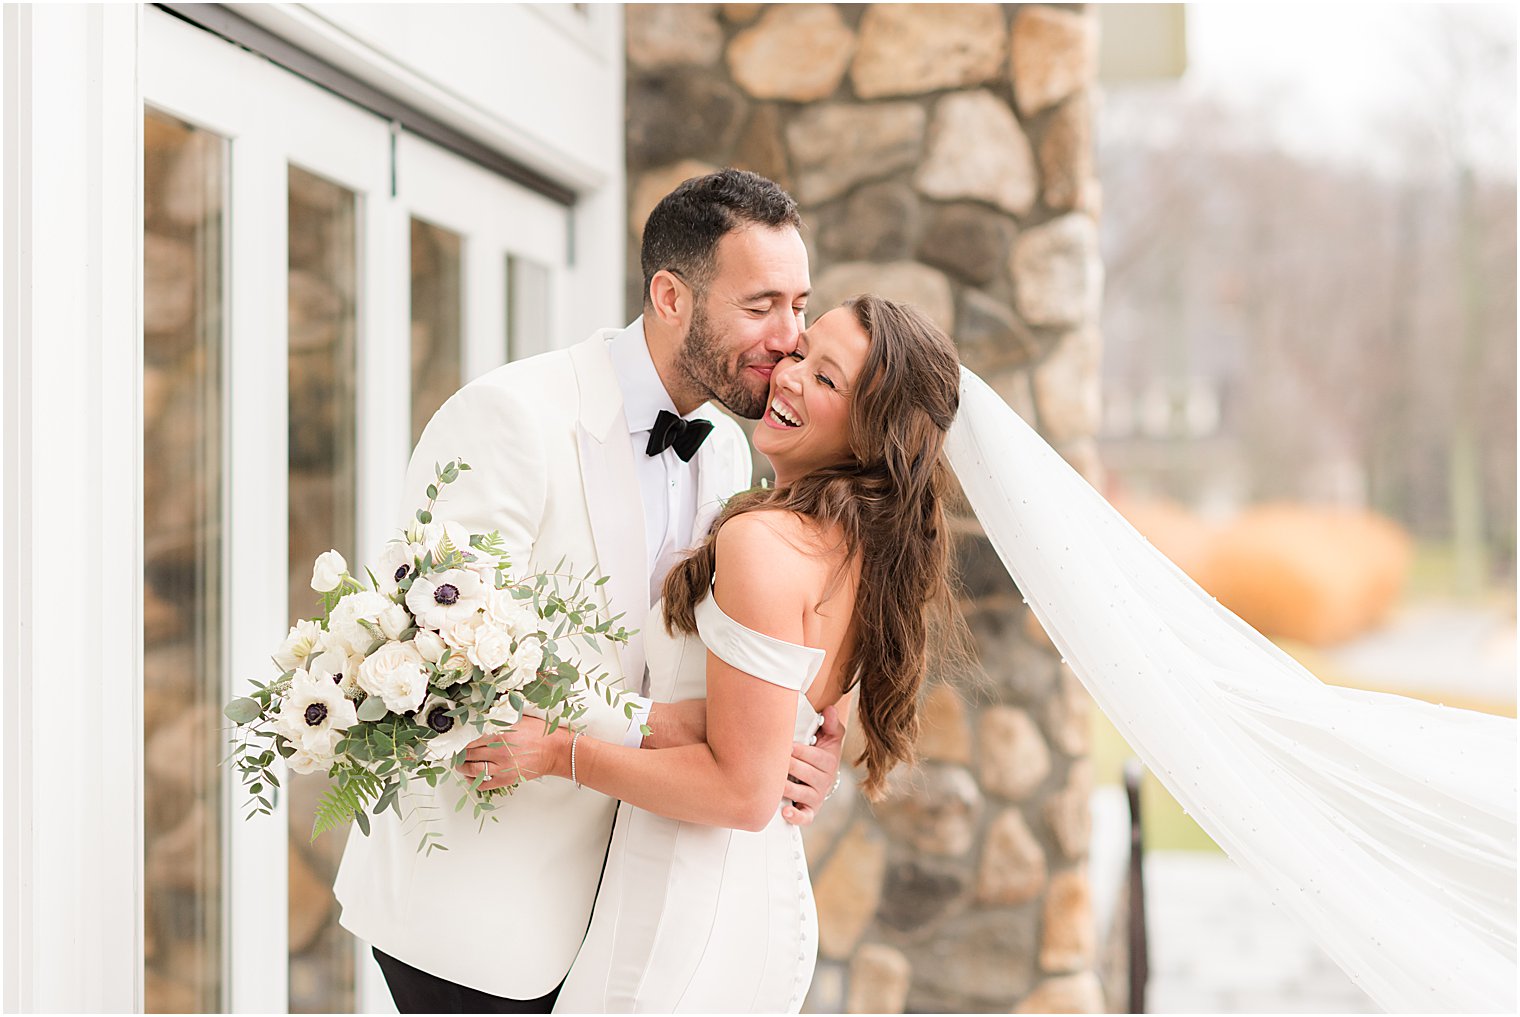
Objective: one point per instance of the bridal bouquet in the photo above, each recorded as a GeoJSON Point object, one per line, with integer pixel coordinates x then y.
{"type": "Point", "coordinates": [392, 682]}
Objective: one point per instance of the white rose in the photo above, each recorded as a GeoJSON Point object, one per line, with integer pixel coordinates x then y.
{"type": "Point", "coordinates": [394, 620]}
{"type": "Point", "coordinates": [449, 734]}
{"type": "Point", "coordinates": [525, 661]}
{"type": "Point", "coordinates": [306, 761]}
{"type": "Point", "coordinates": [510, 614]}
{"type": "Point", "coordinates": [298, 645]}
{"type": "Point", "coordinates": [397, 561]}
{"type": "Point", "coordinates": [344, 622]}
{"type": "Point", "coordinates": [460, 635]}
{"type": "Point", "coordinates": [395, 673]}
{"type": "Point", "coordinates": [328, 571]}
{"type": "Point", "coordinates": [502, 712]}
{"type": "Point", "coordinates": [492, 648]}
{"type": "Point", "coordinates": [442, 598]}
{"type": "Point", "coordinates": [429, 644]}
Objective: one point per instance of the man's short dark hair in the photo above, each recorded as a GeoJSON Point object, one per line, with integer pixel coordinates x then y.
{"type": "Point", "coordinates": [681, 235]}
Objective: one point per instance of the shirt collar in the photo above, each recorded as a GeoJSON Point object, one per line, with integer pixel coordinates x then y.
{"type": "Point", "coordinates": [644, 394]}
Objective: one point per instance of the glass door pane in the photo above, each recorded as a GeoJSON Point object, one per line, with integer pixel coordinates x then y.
{"type": "Point", "coordinates": [437, 326]}
{"type": "Point", "coordinates": [323, 480]}
{"type": "Point", "coordinates": [528, 308]}
{"type": "Point", "coordinates": [183, 219]}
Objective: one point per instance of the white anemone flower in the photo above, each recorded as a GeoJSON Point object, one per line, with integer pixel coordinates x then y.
{"type": "Point", "coordinates": [338, 665]}
{"type": "Point", "coordinates": [395, 672]}
{"type": "Point", "coordinates": [348, 618]}
{"type": "Point", "coordinates": [449, 733]}
{"type": "Point", "coordinates": [298, 645]}
{"type": "Point", "coordinates": [314, 714]}
{"type": "Point", "coordinates": [397, 562]}
{"type": "Point", "coordinates": [443, 598]}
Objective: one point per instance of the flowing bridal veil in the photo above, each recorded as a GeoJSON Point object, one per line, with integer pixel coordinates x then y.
{"type": "Point", "coordinates": [1386, 824]}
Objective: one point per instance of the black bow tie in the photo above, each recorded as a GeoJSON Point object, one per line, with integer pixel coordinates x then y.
{"type": "Point", "coordinates": [671, 431]}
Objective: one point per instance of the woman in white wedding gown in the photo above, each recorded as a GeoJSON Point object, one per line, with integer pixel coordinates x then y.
{"type": "Point", "coordinates": [705, 903]}
{"type": "Point", "coordinates": [1387, 825]}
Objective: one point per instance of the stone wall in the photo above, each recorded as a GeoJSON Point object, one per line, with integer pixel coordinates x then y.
{"type": "Point", "coordinates": [942, 154]}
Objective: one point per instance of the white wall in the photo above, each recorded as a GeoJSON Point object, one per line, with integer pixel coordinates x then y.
{"type": "Point", "coordinates": [71, 635]}
{"type": "Point", "coordinates": [526, 80]}
{"type": "Point", "coordinates": [540, 83]}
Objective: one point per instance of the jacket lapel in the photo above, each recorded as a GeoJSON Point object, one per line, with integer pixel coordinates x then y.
{"type": "Point", "coordinates": [613, 502]}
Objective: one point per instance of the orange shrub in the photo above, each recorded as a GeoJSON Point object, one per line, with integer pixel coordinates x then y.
{"type": "Point", "coordinates": [1317, 575]}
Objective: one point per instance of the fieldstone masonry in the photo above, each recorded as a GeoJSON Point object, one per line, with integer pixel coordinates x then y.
{"type": "Point", "coordinates": [942, 155]}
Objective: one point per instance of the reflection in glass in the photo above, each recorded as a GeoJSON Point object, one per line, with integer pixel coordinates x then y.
{"type": "Point", "coordinates": [323, 480]}
{"type": "Point", "coordinates": [183, 173]}
{"type": "Point", "coordinates": [527, 308]}
{"type": "Point", "coordinates": [437, 332]}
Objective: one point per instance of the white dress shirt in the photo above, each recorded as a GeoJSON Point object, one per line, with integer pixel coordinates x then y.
{"type": "Point", "coordinates": [667, 486]}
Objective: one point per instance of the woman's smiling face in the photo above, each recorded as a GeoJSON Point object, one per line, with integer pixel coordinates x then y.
{"type": "Point", "coordinates": [806, 425]}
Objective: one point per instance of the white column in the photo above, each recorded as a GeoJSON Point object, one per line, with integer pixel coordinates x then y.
{"type": "Point", "coordinates": [72, 463]}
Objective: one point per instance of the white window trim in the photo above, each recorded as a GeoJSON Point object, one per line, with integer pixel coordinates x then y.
{"type": "Point", "coordinates": [308, 29]}
{"type": "Point", "coordinates": [599, 218]}
{"type": "Point", "coordinates": [72, 710]}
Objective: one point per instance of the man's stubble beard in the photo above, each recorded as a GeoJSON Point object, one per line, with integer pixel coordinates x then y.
{"type": "Point", "coordinates": [703, 361]}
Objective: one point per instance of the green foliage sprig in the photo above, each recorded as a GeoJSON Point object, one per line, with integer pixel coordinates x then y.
{"type": "Point", "coordinates": [383, 755]}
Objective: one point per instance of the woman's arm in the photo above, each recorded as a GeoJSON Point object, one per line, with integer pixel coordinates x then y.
{"type": "Point", "coordinates": [737, 777]}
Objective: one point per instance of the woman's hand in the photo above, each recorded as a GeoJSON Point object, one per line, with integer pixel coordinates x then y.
{"type": "Point", "coordinates": [526, 752]}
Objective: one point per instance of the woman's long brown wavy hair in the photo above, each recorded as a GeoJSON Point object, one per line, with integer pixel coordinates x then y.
{"type": "Point", "coordinates": [888, 503]}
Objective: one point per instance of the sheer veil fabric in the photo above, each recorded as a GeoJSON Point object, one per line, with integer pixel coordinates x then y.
{"type": "Point", "coordinates": [1386, 824]}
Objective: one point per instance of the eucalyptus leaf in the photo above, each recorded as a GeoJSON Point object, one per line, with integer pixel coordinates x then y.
{"type": "Point", "coordinates": [242, 710]}
{"type": "Point", "coordinates": [372, 709]}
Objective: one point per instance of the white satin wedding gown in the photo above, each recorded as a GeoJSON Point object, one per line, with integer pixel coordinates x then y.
{"type": "Point", "coordinates": [700, 918]}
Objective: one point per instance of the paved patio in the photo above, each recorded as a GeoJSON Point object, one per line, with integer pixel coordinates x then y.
{"type": "Point", "coordinates": [1219, 945]}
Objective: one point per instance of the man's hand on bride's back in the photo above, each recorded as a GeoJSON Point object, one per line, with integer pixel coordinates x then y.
{"type": "Point", "coordinates": [815, 770]}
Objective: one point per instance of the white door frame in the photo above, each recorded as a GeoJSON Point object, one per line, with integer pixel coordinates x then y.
{"type": "Point", "coordinates": [71, 712]}
{"type": "Point", "coordinates": [272, 119]}
{"type": "Point", "coordinates": [75, 79]}
{"type": "Point", "coordinates": [496, 218]}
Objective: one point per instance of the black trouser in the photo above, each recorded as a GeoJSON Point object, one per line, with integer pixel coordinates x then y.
{"type": "Point", "coordinates": [417, 991]}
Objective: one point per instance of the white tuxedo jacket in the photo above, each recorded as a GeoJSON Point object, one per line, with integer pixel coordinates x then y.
{"type": "Point", "coordinates": [504, 909]}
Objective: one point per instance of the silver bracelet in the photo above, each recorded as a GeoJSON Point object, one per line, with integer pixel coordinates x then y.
{"type": "Point", "coordinates": [574, 739]}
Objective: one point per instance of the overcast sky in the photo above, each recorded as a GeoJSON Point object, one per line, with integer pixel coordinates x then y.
{"type": "Point", "coordinates": [1339, 79]}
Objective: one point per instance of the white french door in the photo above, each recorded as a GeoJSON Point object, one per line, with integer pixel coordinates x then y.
{"type": "Point", "coordinates": [347, 278]}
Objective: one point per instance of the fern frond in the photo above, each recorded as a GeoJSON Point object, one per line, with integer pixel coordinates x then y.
{"type": "Point", "coordinates": [343, 800]}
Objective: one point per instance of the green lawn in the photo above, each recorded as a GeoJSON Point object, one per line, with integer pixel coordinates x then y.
{"type": "Point", "coordinates": [1163, 824]}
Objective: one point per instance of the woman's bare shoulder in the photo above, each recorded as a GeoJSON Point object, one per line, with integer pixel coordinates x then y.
{"type": "Point", "coordinates": [780, 536]}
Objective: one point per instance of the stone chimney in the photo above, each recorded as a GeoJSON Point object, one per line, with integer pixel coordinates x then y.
{"type": "Point", "coordinates": [943, 155]}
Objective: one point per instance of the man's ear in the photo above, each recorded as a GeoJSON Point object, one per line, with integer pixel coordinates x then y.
{"type": "Point", "coordinates": [670, 300]}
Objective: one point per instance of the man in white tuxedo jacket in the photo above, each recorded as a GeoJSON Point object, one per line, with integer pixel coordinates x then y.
{"type": "Point", "coordinates": [607, 454]}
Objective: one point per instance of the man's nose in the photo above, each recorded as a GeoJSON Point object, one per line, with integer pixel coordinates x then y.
{"type": "Point", "coordinates": [782, 340]}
